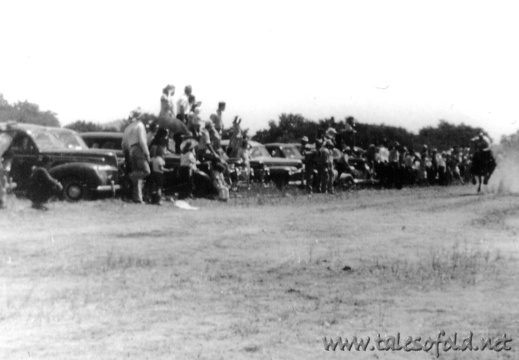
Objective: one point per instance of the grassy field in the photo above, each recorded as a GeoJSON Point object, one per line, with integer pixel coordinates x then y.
{"type": "Point", "coordinates": [265, 276]}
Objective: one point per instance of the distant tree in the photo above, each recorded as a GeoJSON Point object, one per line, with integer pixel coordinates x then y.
{"type": "Point", "coordinates": [84, 126]}
{"type": "Point", "coordinates": [26, 112]}
{"type": "Point", "coordinates": [291, 128]}
{"type": "Point", "coordinates": [446, 135]}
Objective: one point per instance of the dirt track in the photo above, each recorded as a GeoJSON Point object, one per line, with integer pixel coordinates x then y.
{"type": "Point", "coordinates": [258, 278]}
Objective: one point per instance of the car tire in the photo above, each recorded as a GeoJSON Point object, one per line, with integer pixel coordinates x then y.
{"type": "Point", "coordinates": [347, 184]}
{"type": "Point", "coordinates": [73, 190]}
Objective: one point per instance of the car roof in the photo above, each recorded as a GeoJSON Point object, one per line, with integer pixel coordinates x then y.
{"type": "Point", "coordinates": [13, 126]}
{"type": "Point", "coordinates": [251, 142]}
{"type": "Point", "coordinates": [102, 135]}
{"type": "Point", "coordinates": [281, 144]}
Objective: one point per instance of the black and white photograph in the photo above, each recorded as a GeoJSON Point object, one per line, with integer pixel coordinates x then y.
{"type": "Point", "coordinates": [272, 180]}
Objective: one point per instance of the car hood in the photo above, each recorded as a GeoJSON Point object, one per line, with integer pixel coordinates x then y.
{"type": "Point", "coordinates": [91, 155]}
{"type": "Point", "coordinates": [272, 161]}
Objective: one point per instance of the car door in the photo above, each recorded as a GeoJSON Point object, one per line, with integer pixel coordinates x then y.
{"type": "Point", "coordinates": [25, 156]}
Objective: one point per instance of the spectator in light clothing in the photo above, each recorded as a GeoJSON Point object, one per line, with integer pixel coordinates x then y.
{"type": "Point", "coordinates": [219, 182]}
{"type": "Point", "coordinates": [167, 106]}
{"type": "Point", "coordinates": [134, 138]}
{"type": "Point", "coordinates": [188, 166]}
{"type": "Point", "coordinates": [183, 107]}
{"type": "Point", "coordinates": [244, 155]}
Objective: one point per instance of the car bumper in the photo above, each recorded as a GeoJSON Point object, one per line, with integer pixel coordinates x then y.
{"type": "Point", "coordinates": [113, 188]}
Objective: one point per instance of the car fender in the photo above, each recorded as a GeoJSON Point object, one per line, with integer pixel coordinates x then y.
{"type": "Point", "coordinates": [83, 171]}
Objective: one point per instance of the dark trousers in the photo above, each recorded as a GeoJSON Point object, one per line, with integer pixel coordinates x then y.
{"type": "Point", "coordinates": [157, 184]}
{"type": "Point", "coordinates": [186, 178]}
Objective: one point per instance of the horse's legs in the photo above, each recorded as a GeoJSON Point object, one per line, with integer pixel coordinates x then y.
{"type": "Point", "coordinates": [479, 183]}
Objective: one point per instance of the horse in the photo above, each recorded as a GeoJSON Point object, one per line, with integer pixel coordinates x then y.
{"type": "Point", "coordinates": [482, 166]}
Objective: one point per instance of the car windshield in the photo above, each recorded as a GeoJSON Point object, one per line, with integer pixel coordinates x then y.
{"type": "Point", "coordinates": [291, 153]}
{"type": "Point", "coordinates": [259, 151]}
{"type": "Point", "coordinates": [57, 139]}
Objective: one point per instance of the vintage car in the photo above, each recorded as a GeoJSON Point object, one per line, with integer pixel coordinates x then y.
{"type": "Point", "coordinates": [285, 151]}
{"type": "Point", "coordinates": [172, 184]}
{"type": "Point", "coordinates": [280, 171]}
{"type": "Point", "coordinates": [104, 140]}
{"type": "Point", "coordinates": [82, 172]}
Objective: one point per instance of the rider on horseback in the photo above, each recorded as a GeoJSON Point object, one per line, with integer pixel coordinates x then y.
{"type": "Point", "coordinates": [483, 157]}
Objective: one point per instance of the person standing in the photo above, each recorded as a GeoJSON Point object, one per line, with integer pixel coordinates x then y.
{"type": "Point", "coordinates": [244, 155]}
{"type": "Point", "coordinates": [188, 166]}
{"type": "Point", "coordinates": [326, 167]}
{"type": "Point", "coordinates": [216, 118]}
{"type": "Point", "coordinates": [157, 174]}
{"type": "Point", "coordinates": [6, 157]}
{"type": "Point", "coordinates": [183, 106]}
{"type": "Point", "coordinates": [135, 140]}
{"type": "Point", "coordinates": [167, 105]}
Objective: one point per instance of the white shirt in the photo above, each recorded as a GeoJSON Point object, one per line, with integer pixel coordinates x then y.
{"type": "Point", "coordinates": [135, 134]}
{"type": "Point", "coordinates": [157, 164]}
{"type": "Point", "coordinates": [183, 105]}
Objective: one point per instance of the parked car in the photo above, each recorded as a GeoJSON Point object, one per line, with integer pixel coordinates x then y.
{"type": "Point", "coordinates": [285, 151]}
{"type": "Point", "coordinates": [83, 172]}
{"type": "Point", "coordinates": [280, 171]}
{"type": "Point", "coordinates": [104, 140]}
{"type": "Point", "coordinates": [172, 184]}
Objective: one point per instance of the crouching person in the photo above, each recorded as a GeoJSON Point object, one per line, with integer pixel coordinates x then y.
{"type": "Point", "coordinates": [42, 186]}
{"type": "Point", "coordinates": [219, 182]}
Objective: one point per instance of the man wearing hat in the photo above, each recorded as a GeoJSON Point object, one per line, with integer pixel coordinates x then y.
{"type": "Point", "coordinates": [134, 142]}
{"type": "Point", "coordinates": [330, 134]}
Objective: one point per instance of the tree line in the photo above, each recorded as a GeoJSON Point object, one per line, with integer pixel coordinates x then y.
{"type": "Point", "coordinates": [288, 128]}
{"type": "Point", "coordinates": [291, 128]}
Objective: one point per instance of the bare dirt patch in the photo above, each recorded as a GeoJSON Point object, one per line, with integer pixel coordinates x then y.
{"type": "Point", "coordinates": [261, 277]}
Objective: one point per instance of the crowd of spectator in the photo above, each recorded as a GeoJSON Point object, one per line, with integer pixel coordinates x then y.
{"type": "Point", "coordinates": [390, 164]}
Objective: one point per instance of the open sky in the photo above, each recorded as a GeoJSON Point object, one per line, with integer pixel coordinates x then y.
{"type": "Point", "coordinates": [400, 63]}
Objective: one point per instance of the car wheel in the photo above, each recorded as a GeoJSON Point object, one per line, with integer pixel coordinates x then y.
{"type": "Point", "coordinates": [347, 184]}
{"type": "Point", "coordinates": [73, 190]}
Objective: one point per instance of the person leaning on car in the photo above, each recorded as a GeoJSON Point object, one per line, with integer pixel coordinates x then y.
{"type": "Point", "coordinates": [135, 145]}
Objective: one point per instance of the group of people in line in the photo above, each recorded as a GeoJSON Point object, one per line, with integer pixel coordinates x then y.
{"type": "Point", "coordinates": [390, 164]}
{"type": "Point", "coordinates": [195, 140]}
